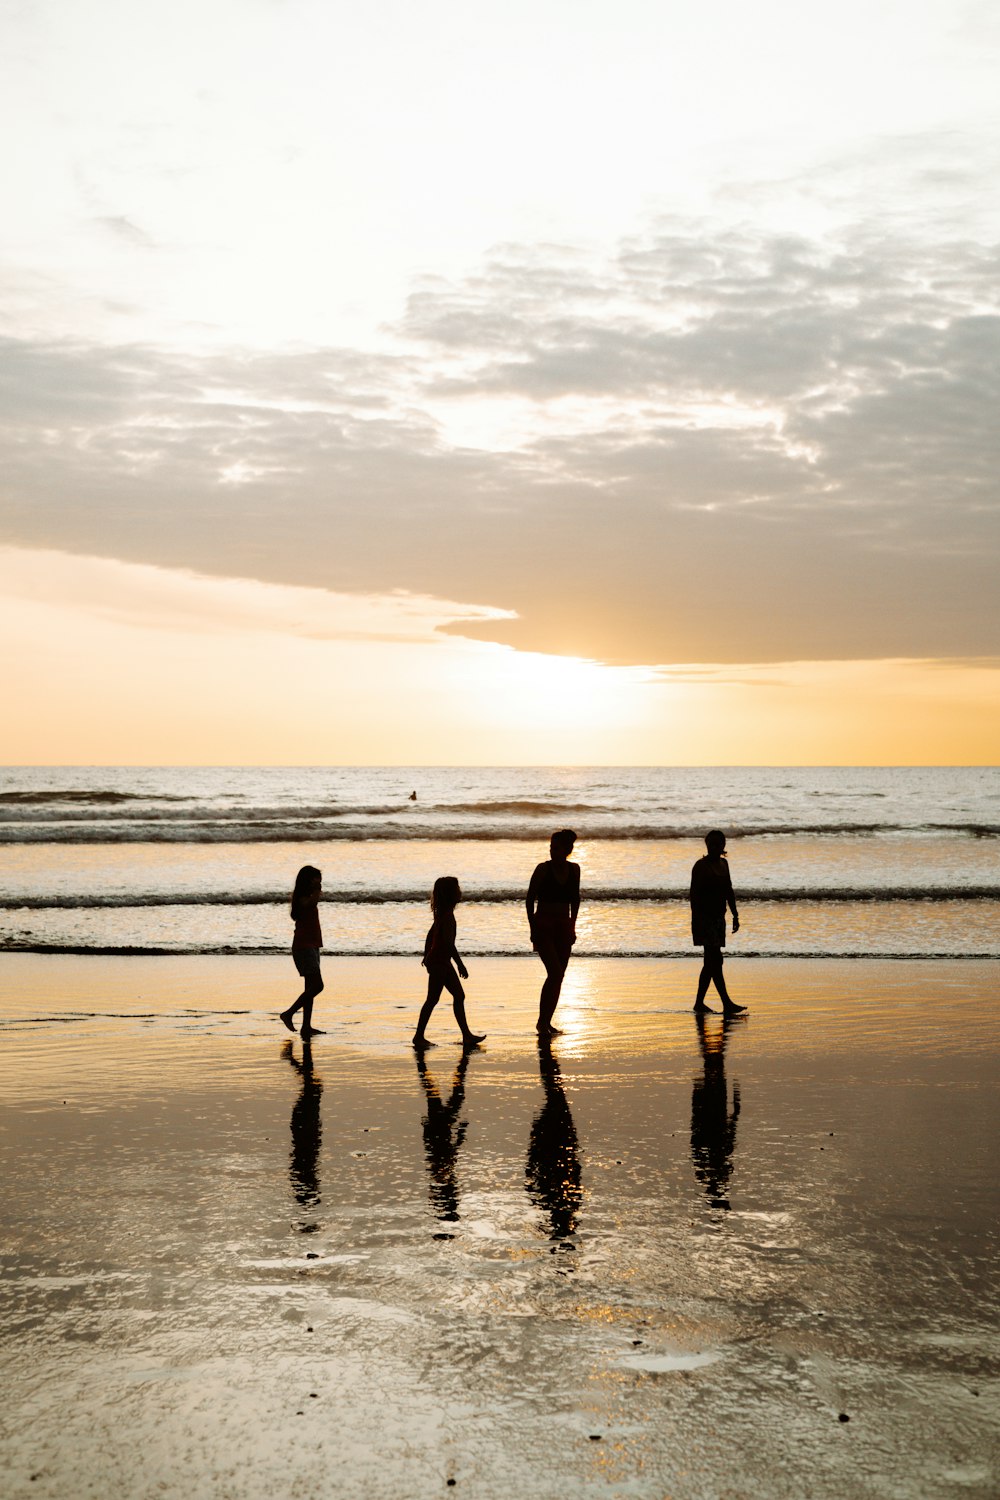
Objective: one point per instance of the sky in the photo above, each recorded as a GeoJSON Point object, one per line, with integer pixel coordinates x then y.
{"type": "Point", "coordinates": [553, 383]}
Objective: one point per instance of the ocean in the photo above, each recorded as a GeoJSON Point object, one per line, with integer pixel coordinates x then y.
{"type": "Point", "coordinates": [886, 862]}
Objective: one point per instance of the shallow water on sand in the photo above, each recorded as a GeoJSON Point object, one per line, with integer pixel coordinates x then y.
{"type": "Point", "coordinates": [654, 1260]}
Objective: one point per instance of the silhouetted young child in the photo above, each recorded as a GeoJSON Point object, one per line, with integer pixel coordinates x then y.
{"type": "Point", "coordinates": [441, 958]}
{"type": "Point", "coordinates": [306, 944]}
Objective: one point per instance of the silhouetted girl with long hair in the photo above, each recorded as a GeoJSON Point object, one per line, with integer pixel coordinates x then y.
{"type": "Point", "coordinates": [441, 959]}
{"type": "Point", "coordinates": [306, 944]}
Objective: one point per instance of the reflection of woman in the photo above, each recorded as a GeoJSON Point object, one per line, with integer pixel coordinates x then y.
{"type": "Point", "coordinates": [443, 1137]}
{"type": "Point", "coordinates": [307, 1132]}
{"type": "Point", "coordinates": [713, 1124]}
{"type": "Point", "coordinates": [552, 903]}
{"type": "Point", "coordinates": [552, 1171]}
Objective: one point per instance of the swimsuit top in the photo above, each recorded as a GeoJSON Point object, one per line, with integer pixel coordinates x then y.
{"type": "Point", "coordinates": [557, 892]}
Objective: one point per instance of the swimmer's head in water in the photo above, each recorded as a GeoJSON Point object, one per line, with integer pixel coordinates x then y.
{"type": "Point", "coordinates": [446, 895]}
{"type": "Point", "coordinates": [561, 843]}
{"type": "Point", "coordinates": [715, 843]}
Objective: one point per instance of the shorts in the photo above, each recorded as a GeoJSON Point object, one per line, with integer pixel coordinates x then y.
{"type": "Point", "coordinates": [708, 932]}
{"type": "Point", "coordinates": [306, 960]}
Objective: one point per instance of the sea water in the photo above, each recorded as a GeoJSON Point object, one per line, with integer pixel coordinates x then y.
{"type": "Point", "coordinates": [899, 862]}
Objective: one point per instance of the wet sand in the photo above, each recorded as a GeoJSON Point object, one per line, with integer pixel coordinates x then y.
{"type": "Point", "coordinates": [660, 1260]}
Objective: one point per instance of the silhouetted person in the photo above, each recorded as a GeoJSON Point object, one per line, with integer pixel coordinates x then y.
{"type": "Point", "coordinates": [412, 797]}
{"type": "Point", "coordinates": [444, 1133]}
{"type": "Point", "coordinates": [441, 959]}
{"type": "Point", "coordinates": [552, 903]}
{"type": "Point", "coordinates": [307, 941]}
{"type": "Point", "coordinates": [307, 1132]}
{"type": "Point", "coordinates": [552, 1171]}
{"type": "Point", "coordinates": [713, 1124]}
{"type": "Point", "coordinates": [711, 893]}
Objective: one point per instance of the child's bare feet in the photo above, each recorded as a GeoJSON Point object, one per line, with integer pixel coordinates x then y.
{"type": "Point", "coordinates": [472, 1039]}
{"type": "Point", "coordinates": [285, 1017]}
{"type": "Point", "coordinates": [701, 1009]}
{"type": "Point", "coordinates": [421, 1043]}
{"type": "Point", "coordinates": [734, 1010]}
{"type": "Point", "coordinates": [311, 1031]}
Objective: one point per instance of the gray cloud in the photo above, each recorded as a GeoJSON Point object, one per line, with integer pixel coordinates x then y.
{"type": "Point", "coordinates": [788, 449]}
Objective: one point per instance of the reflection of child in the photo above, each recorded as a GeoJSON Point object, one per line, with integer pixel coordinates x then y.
{"type": "Point", "coordinates": [306, 945]}
{"type": "Point", "coordinates": [441, 958]}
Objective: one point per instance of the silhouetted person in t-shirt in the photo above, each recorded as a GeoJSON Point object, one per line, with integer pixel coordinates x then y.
{"type": "Point", "coordinates": [713, 1124]}
{"type": "Point", "coordinates": [552, 903]}
{"type": "Point", "coordinates": [444, 1133]}
{"type": "Point", "coordinates": [552, 1171]}
{"type": "Point", "coordinates": [307, 1133]}
{"type": "Point", "coordinates": [711, 893]}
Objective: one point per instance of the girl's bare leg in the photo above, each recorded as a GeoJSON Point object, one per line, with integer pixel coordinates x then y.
{"type": "Point", "coordinates": [312, 990]}
{"type": "Point", "coordinates": [435, 984]}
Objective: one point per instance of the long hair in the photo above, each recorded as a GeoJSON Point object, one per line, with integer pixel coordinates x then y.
{"type": "Point", "coordinates": [304, 881]}
{"type": "Point", "coordinates": [446, 895]}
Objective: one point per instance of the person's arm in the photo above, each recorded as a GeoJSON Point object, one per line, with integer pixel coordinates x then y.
{"type": "Point", "coordinates": [695, 892]}
{"type": "Point", "coordinates": [530, 900]}
{"type": "Point", "coordinates": [574, 902]}
{"type": "Point", "coordinates": [463, 972]}
{"type": "Point", "coordinates": [731, 900]}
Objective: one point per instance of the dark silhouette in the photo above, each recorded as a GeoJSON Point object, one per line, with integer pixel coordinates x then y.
{"type": "Point", "coordinates": [552, 1171]}
{"type": "Point", "coordinates": [307, 1135]}
{"type": "Point", "coordinates": [713, 1124]}
{"type": "Point", "coordinates": [307, 943]}
{"type": "Point", "coordinates": [412, 797]}
{"type": "Point", "coordinates": [444, 1133]}
{"type": "Point", "coordinates": [711, 893]}
{"type": "Point", "coordinates": [552, 903]}
{"type": "Point", "coordinates": [441, 959]}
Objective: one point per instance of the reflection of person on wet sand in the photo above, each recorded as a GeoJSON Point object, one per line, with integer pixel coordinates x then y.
{"type": "Point", "coordinates": [711, 893]}
{"type": "Point", "coordinates": [307, 1132]}
{"type": "Point", "coordinates": [443, 1136]}
{"type": "Point", "coordinates": [552, 1171]}
{"type": "Point", "coordinates": [713, 1124]}
{"type": "Point", "coordinates": [552, 903]}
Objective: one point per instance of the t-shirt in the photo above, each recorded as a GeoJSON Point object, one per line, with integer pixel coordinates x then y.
{"type": "Point", "coordinates": [308, 933]}
{"type": "Point", "coordinates": [711, 888]}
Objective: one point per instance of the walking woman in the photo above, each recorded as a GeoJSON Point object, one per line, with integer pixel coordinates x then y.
{"type": "Point", "coordinates": [711, 893]}
{"type": "Point", "coordinates": [552, 903]}
{"type": "Point", "coordinates": [306, 944]}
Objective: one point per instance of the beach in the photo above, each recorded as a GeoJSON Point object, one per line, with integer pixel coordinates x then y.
{"type": "Point", "coordinates": [657, 1260]}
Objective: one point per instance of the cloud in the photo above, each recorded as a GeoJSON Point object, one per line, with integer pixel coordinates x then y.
{"type": "Point", "coordinates": [711, 446]}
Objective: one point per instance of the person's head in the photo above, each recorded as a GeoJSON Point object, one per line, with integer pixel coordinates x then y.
{"type": "Point", "coordinates": [561, 843]}
{"type": "Point", "coordinates": [446, 895]}
{"type": "Point", "coordinates": [715, 843]}
{"type": "Point", "coordinates": [308, 880]}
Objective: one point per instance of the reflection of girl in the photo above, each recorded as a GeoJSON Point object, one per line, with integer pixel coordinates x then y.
{"type": "Point", "coordinates": [441, 958]}
{"type": "Point", "coordinates": [444, 1133]}
{"type": "Point", "coordinates": [306, 944]}
{"type": "Point", "coordinates": [552, 903]}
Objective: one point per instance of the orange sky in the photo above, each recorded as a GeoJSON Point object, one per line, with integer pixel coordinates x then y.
{"type": "Point", "coordinates": [125, 664]}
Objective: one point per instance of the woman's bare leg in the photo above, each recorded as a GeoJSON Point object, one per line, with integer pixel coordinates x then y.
{"type": "Point", "coordinates": [555, 971]}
